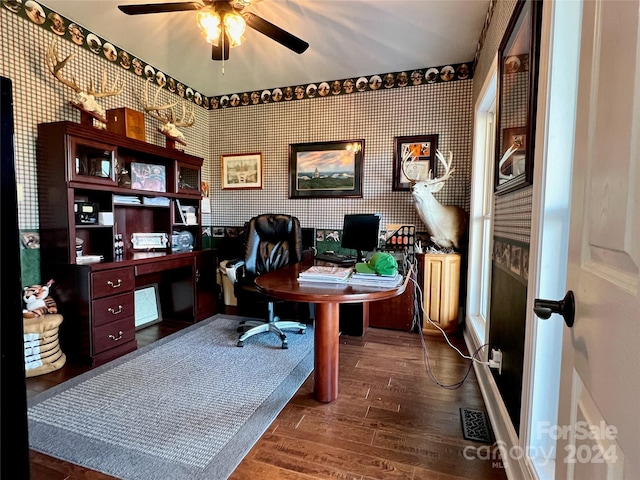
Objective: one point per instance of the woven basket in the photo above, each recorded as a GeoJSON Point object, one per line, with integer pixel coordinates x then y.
{"type": "Point", "coordinates": [42, 353]}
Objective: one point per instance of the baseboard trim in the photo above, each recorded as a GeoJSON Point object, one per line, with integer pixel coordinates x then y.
{"type": "Point", "coordinates": [505, 434]}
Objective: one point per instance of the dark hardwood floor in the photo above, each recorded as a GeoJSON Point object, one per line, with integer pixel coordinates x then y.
{"type": "Point", "coordinates": [390, 420]}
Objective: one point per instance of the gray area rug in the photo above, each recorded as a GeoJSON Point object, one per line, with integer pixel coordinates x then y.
{"type": "Point", "coordinates": [189, 406]}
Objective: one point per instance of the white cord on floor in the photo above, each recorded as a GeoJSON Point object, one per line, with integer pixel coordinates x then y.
{"type": "Point", "coordinates": [419, 300]}
{"type": "Point", "coordinates": [419, 305]}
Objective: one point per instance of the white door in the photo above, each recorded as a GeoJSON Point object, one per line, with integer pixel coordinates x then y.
{"type": "Point", "coordinates": [598, 427]}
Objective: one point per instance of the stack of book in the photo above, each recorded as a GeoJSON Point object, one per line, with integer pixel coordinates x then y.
{"type": "Point", "coordinates": [156, 201]}
{"type": "Point", "coordinates": [126, 199]}
{"type": "Point", "coordinates": [375, 280]}
{"type": "Point", "coordinates": [325, 274]}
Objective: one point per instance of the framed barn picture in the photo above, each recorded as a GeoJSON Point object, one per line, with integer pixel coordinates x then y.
{"type": "Point", "coordinates": [241, 171]}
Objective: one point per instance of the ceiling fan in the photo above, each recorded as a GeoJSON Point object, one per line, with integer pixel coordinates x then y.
{"type": "Point", "coordinates": [223, 22]}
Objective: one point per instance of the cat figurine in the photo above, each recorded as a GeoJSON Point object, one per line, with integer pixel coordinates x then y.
{"type": "Point", "coordinates": [38, 302]}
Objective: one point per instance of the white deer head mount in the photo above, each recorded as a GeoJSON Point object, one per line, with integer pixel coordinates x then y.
{"type": "Point", "coordinates": [169, 121]}
{"type": "Point", "coordinates": [85, 99]}
{"type": "Point", "coordinates": [446, 223]}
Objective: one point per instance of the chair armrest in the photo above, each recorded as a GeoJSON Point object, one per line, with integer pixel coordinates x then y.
{"type": "Point", "coordinates": [232, 270]}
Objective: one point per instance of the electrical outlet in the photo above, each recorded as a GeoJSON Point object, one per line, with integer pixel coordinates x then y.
{"type": "Point", "coordinates": [496, 360]}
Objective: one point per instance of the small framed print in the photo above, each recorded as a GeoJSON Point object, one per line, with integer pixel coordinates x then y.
{"type": "Point", "coordinates": [421, 150]}
{"type": "Point", "coordinates": [241, 171]}
{"type": "Point", "coordinates": [147, 306]}
{"type": "Point", "coordinates": [149, 241]}
{"type": "Point", "coordinates": [145, 176]}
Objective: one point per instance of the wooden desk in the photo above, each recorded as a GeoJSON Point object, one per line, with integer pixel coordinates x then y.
{"type": "Point", "coordinates": [98, 300]}
{"type": "Point", "coordinates": [327, 298]}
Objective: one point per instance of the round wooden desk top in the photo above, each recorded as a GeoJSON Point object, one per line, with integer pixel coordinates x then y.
{"type": "Point", "coordinates": [284, 284]}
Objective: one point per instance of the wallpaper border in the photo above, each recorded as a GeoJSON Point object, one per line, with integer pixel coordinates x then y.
{"type": "Point", "coordinates": [82, 37]}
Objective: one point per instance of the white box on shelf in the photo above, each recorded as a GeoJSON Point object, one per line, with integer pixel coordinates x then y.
{"type": "Point", "coordinates": [105, 218]}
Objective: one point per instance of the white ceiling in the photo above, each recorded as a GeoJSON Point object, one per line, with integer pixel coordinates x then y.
{"type": "Point", "coordinates": [348, 38]}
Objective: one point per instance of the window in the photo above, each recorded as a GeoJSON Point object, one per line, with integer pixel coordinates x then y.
{"type": "Point", "coordinates": [481, 215]}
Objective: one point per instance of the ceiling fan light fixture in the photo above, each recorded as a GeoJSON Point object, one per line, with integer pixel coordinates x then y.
{"type": "Point", "coordinates": [210, 25]}
{"type": "Point", "coordinates": [235, 26]}
{"type": "Point", "coordinates": [222, 24]}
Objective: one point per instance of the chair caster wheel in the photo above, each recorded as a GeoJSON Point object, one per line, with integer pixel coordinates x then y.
{"type": "Point", "coordinates": [240, 343]}
{"type": "Point", "coordinates": [302, 331]}
{"type": "Point", "coordinates": [285, 345]}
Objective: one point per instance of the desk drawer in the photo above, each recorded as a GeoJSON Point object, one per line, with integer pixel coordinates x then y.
{"type": "Point", "coordinates": [111, 282]}
{"type": "Point", "coordinates": [113, 334]}
{"type": "Point", "coordinates": [110, 309]}
{"type": "Point", "coordinates": [159, 266]}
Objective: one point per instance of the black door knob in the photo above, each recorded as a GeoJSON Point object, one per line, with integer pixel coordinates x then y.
{"type": "Point", "coordinates": [565, 307]}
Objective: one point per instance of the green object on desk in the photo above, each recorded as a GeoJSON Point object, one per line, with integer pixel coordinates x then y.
{"type": "Point", "coordinates": [381, 263]}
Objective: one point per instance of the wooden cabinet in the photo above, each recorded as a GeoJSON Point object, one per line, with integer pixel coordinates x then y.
{"type": "Point", "coordinates": [395, 313]}
{"type": "Point", "coordinates": [188, 178]}
{"type": "Point", "coordinates": [80, 169]}
{"type": "Point", "coordinates": [95, 185]}
{"type": "Point", "coordinates": [206, 264]}
{"type": "Point", "coordinates": [111, 318]}
{"type": "Point", "coordinates": [98, 309]}
{"type": "Point", "coordinates": [440, 283]}
{"type": "Point", "coordinates": [91, 162]}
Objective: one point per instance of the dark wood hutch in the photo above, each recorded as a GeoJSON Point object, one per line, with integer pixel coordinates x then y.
{"type": "Point", "coordinates": [84, 204]}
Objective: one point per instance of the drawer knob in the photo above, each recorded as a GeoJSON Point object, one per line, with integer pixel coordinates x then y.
{"type": "Point", "coordinates": [113, 311]}
{"type": "Point", "coordinates": [115, 285]}
{"type": "Point", "coordinates": [114, 338]}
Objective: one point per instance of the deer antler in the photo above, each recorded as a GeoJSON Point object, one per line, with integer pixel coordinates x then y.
{"type": "Point", "coordinates": [166, 115]}
{"type": "Point", "coordinates": [162, 113]}
{"type": "Point", "coordinates": [515, 146]}
{"type": "Point", "coordinates": [407, 158]}
{"type": "Point", "coordinates": [85, 99]}
{"type": "Point", "coordinates": [188, 117]}
{"type": "Point", "coordinates": [448, 171]}
{"type": "Point", "coordinates": [103, 92]}
{"type": "Point", "coordinates": [55, 66]}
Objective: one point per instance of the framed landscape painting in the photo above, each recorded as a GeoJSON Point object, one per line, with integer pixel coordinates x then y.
{"type": "Point", "coordinates": [326, 169]}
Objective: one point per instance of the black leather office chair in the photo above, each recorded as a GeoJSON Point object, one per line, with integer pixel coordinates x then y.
{"type": "Point", "coordinates": [272, 242]}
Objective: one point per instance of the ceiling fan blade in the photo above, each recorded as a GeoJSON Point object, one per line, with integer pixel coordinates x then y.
{"type": "Point", "coordinates": [219, 53]}
{"type": "Point", "coordinates": [276, 33]}
{"type": "Point", "coordinates": [142, 9]}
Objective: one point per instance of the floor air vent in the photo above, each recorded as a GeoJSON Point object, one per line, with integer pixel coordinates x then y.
{"type": "Point", "coordinates": [475, 425]}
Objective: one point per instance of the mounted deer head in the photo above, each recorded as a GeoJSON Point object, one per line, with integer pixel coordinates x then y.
{"type": "Point", "coordinates": [446, 223]}
{"type": "Point", "coordinates": [169, 122]}
{"type": "Point", "coordinates": [85, 99]}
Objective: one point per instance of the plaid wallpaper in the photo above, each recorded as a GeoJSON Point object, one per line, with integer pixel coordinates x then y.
{"type": "Point", "coordinates": [512, 217]}
{"type": "Point", "coordinates": [377, 116]}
